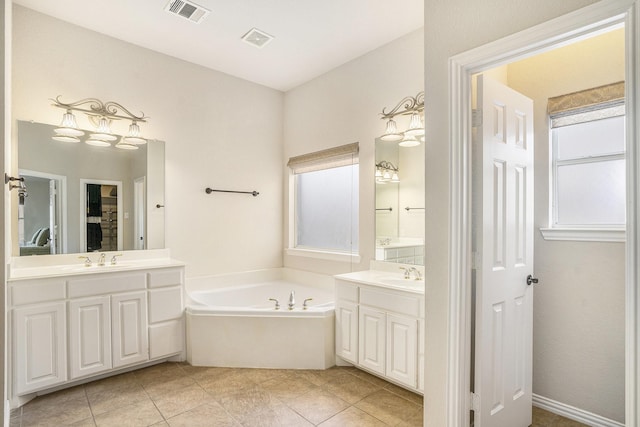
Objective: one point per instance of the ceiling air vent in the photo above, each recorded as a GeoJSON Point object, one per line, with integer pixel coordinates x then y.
{"type": "Point", "coordinates": [187, 10]}
{"type": "Point", "coordinates": [257, 38]}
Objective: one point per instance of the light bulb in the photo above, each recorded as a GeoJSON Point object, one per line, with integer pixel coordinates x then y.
{"type": "Point", "coordinates": [415, 125]}
{"type": "Point", "coordinates": [409, 141]}
{"type": "Point", "coordinates": [391, 132]}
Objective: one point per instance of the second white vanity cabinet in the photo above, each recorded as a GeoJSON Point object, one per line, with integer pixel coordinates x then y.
{"type": "Point", "coordinates": [89, 336]}
{"type": "Point", "coordinates": [77, 326]}
{"type": "Point", "coordinates": [129, 325]}
{"type": "Point", "coordinates": [380, 329]}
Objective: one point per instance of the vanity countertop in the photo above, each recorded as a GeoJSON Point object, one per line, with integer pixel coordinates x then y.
{"type": "Point", "coordinates": [42, 266]}
{"type": "Point", "coordinates": [384, 279]}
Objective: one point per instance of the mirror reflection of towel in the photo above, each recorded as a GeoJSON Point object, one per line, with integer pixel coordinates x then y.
{"type": "Point", "coordinates": [94, 200]}
{"type": "Point", "coordinates": [94, 237]}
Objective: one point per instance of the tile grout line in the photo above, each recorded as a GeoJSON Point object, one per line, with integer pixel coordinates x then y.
{"type": "Point", "coordinates": [86, 395]}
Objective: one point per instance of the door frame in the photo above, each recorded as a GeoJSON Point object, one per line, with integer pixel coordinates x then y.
{"type": "Point", "coordinates": [62, 205]}
{"type": "Point", "coordinates": [544, 37]}
{"type": "Point", "coordinates": [139, 212]}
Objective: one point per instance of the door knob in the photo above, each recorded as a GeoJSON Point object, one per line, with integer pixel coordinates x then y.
{"type": "Point", "coordinates": [531, 279]}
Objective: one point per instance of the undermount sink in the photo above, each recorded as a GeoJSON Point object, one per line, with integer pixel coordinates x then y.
{"type": "Point", "coordinates": [395, 281]}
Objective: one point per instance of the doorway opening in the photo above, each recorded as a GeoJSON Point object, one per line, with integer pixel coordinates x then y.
{"type": "Point", "coordinates": [42, 218]}
{"type": "Point", "coordinates": [582, 24]}
{"type": "Point", "coordinates": [101, 225]}
{"type": "Point", "coordinates": [575, 339]}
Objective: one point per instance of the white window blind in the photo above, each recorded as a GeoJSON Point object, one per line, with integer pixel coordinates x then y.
{"type": "Point", "coordinates": [343, 155]}
{"type": "Point", "coordinates": [588, 158]}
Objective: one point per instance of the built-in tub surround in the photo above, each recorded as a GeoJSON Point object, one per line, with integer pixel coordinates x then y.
{"type": "Point", "coordinates": [380, 324]}
{"type": "Point", "coordinates": [70, 323]}
{"type": "Point", "coordinates": [232, 320]}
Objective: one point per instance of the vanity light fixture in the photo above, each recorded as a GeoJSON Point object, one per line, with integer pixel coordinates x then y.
{"type": "Point", "coordinates": [386, 172]}
{"type": "Point", "coordinates": [125, 146]}
{"type": "Point", "coordinates": [100, 115]}
{"type": "Point", "coordinates": [408, 106]}
{"type": "Point", "coordinates": [409, 141]}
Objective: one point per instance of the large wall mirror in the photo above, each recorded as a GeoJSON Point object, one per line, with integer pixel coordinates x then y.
{"type": "Point", "coordinates": [83, 198]}
{"type": "Point", "coordinates": [399, 203]}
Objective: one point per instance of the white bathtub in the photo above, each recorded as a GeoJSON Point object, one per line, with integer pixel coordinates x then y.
{"type": "Point", "coordinates": [232, 323]}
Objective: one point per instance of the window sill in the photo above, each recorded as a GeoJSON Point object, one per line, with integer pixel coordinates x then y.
{"type": "Point", "coordinates": [584, 234]}
{"type": "Point", "coordinates": [327, 255]}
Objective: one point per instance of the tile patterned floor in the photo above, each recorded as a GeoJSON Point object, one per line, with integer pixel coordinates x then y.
{"type": "Point", "coordinates": [177, 394]}
{"type": "Point", "coordinates": [542, 418]}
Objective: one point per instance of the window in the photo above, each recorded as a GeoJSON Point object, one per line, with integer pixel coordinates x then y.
{"type": "Point", "coordinates": [588, 161]}
{"type": "Point", "coordinates": [325, 203]}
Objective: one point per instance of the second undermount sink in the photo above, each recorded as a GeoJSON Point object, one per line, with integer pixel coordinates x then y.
{"type": "Point", "coordinates": [398, 281]}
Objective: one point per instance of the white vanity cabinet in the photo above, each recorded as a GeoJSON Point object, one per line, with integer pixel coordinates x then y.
{"type": "Point", "coordinates": [347, 322]}
{"type": "Point", "coordinates": [386, 340]}
{"type": "Point", "coordinates": [129, 328]}
{"type": "Point", "coordinates": [41, 329]}
{"type": "Point", "coordinates": [76, 326]}
{"type": "Point", "coordinates": [89, 336]}
{"type": "Point", "coordinates": [166, 305]}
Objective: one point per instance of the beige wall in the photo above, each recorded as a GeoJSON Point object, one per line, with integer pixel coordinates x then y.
{"type": "Point", "coordinates": [578, 330]}
{"type": "Point", "coordinates": [343, 106]}
{"type": "Point", "coordinates": [5, 156]}
{"type": "Point", "coordinates": [453, 27]}
{"type": "Point", "coordinates": [220, 131]}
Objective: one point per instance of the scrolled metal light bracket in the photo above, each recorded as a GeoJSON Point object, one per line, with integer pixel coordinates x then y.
{"type": "Point", "coordinates": [95, 107]}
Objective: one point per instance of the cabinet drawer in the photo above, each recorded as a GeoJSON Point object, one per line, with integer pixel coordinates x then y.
{"type": "Point", "coordinates": [166, 338]}
{"type": "Point", "coordinates": [161, 278]}
{"type": "Point", "coordinates": [392, 301]}
{"type": "Point", "coordinates": [165, 304]}
{"type": "Point", "coordinates": [34, 291]}
{"type": "Point", "coordinates": [106, 285]}
{"type": "Point", "coordinates": [346, 291]}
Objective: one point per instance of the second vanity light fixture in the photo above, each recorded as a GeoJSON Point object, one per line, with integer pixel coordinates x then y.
{"type": "Point", "coordinates": [386, 172]}
{"type": "Point", "coordinates": [412, 106]}
{"type": "Point", "coordinates": [100, 115]}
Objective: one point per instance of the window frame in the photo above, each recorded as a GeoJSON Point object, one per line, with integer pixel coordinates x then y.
{"type": "Point", "coordinates": [613, 96]}
{"type": "Point", "coordinates": [325, 159]}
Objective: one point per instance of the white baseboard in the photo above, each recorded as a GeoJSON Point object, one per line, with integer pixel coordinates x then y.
{"type": "Point", "coordinates": [573, 413]}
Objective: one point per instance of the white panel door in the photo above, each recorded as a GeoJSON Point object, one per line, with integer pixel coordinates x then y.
{"type": "Point", "coordinates": [40, 347]}
{"type": "Point", "coordinates": [347, 331]}
{"type": "Point", "coordinates": [504, 211]}
{"type": "Point", "coordinates": [89, 336]}
{"type": "Point", "coordinates": [402, 349]}
{"type": "Point", "coordinates": [371, 339]}
{"type": "Point", "coordinates": [129, 328]}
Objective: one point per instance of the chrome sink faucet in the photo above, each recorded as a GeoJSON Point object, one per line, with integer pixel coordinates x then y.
{"type": "Point", "coordinates": [416, 272]}
{"type": "Point", "coordinates": [87, 260]}
{"type": "Point", "coordinates": [409, 270]}
{"type": "Point", "coordinates": [292, 300]}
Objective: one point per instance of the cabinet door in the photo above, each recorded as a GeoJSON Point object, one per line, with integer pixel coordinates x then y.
{"type": "Point", "coordinates": [371, 339]}
{"type": "Point", "coordinates": [39, 337]}
{"type": "Point", "coordinates": [421, 355]}
{"type": "Point", "coordinates": [129, 328]}
{"type": "Point", "coordinates": [89, 336]}
{"type": "Point", "coordinates": [347, 331]}
{"type": "Point", "coordinates": [402, 349]}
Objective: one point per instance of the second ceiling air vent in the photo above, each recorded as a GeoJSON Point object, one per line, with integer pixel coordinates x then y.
{"type": "Point", "coordinates": [187, 10]}
{"type": "Point", "coordinates": [257, 38]}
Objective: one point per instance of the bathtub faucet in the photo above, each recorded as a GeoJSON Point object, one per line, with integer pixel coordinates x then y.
{"type": "Point", "coordinates": [292, 300]}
